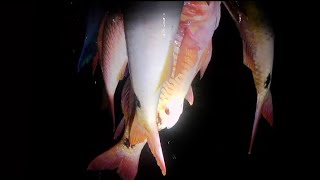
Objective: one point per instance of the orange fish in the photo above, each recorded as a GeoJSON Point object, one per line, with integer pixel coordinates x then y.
{"type": "Point", "coordinates": [123, 156]}
{"type": "Point", "coordinates": [258, 49]}
{"type": "Point", "coordinates": [192, 53]}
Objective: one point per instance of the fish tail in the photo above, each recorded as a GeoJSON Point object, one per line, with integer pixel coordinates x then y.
{"type": "Point", "coordinates": [153, 140]}
{"type": "Point", "coordinates": [121, 156]}
{"type": "Point", "coordinates": [264, 107]}
{"type": "Point", "coordinates": [139, 132]}
{"type": "Point", "coordinates": [267, 109]}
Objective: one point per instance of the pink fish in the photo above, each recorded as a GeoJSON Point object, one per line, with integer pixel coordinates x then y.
{"type": "Point", "coordinates": [113, 52]}
{"type": "Point", "coordinates": [192, 53]}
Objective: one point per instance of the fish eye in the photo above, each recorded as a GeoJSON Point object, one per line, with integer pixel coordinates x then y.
{"type": "Point", "coordinates": [167, 111]}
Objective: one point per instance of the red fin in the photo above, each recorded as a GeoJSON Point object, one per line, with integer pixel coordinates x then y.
{"type": "Point", "coordinates": [119, 129]}
{"type": "Point", "coordinates": [189, 96]}
{"type": "Point", "coordinates": [267, 109]}
{"type": "Point", "coordinates": [264, 106]}
{"type": "Point", "coordinates": [248, 54]}
{"type": "Point", "coordinates": [255, 124]}
{"type": "Point", "coordinates": [126, 159]}
{"type": "Point", "coordinates": [206, 61]}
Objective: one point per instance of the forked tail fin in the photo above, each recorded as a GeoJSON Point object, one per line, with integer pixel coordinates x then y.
{"type": "Point", "coordinates": [121, 156]}
{"type": "Point", "coordinates": [265, 108]}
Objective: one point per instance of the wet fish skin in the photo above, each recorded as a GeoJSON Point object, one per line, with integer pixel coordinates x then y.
{"type": "Point", "coordinates": [192, 53]}
{"type": "Point", "coordinates": [123, 156]}
{"type": "Point", "coordinates": [149, 29]}
{"type": "Point", "coordinates": [258, 53]}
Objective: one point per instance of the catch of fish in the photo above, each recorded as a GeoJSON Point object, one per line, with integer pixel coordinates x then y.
{"type": "Point", "coordinates": [161, 46]}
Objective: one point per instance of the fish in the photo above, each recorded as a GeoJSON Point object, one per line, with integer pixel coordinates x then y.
{"type": "Point", "coordinates": [192, 54]}
{"type": "Point", "coordinates": [150, 28]}
{"type": "Point", "coordinates": [105, 46]}
{"type": "Point", "coordinates": [258, 54]}
{"type": "Point", "coordinates": [114, 57]}
{"type": "Point", "coordinates": [90, 50]}
{"type": "Point", "coordinates": [123, 156]}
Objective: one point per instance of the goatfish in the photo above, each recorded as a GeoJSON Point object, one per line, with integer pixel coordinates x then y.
{"type": "Point", "coordinates": [258, 49]}
{"type": "Point", "coordinates": [123, 156]}
{"type": "Point", "coordinates": [114, 57]}
{"type": "Point", "coordinates": [105, 45]}
{"type": "Point", "coordinates": [150, 28]}
{"type": "Point", "coordinates": [192, 53]}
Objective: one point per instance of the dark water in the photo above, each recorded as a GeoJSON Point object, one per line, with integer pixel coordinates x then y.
{"type": "Point", "coordinates": [211, 138]}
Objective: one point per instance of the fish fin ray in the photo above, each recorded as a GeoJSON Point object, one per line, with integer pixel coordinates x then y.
{"type": "Point", "coordinates": [125, 159]}
{"type": "Point", "coordinates": [137, 133]}
{"type": "Point", "coordinates": [248, 55]}
{"type": "Point", "coordinates": [267, 109]}
{"type": "Point", "coordinates": [190, 96]}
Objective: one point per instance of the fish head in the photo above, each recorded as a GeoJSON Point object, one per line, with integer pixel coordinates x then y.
{"type": "Point", "coordinates": [169, 114]}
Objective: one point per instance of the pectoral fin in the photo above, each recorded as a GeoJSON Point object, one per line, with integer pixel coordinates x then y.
{"type": "Point", "coordinates": [189, 96]}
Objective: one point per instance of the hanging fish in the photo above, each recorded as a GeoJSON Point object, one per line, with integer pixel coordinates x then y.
{"type": "Point", "coordinates": [150, 28]}
{"type": "Point", "coordinates": [113, 55]}
{"type": "Point", "coordinates": [105, 45]}
{"type": "Point", "coordinates": [192, 53]}
{"type": "Point", "coordinates": [123, 156]}
{"type": "Point", "coordinates": [258, 49]}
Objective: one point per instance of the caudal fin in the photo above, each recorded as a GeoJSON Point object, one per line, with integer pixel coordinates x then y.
{"type": "Point", "coordinates": [190, 96]}
{"type": "Point", "coordinates": [267, 109]}
{"type": "Point", "coordinates": [264, 107]}
{"type": "Point", "coordinates": [121, 156]}
{"type": "Point", "coordinates": [139, 133]}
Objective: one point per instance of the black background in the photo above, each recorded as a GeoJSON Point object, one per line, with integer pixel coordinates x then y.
{"type": "Point", "coordinates": [212, 136]}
